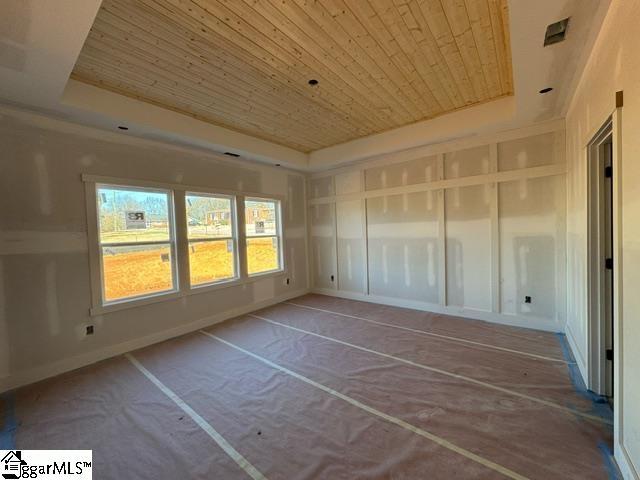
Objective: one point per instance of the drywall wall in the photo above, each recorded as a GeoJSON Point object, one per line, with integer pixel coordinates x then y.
{"type": "Point", "coordinates": [614, 65]}
{"type": "Point", "coordinates": [44, 262]}
{"type": "Point", "coordinates": [470, 228]}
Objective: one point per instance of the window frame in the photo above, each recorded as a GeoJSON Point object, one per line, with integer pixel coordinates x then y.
{"type": "Point", "coordinates": [181, 242]}
{"type": "Point", "coordinates": [278, 235]}
{"type": "Point", "coordinates": [171, 242]}
{"type": "Point", "coordinates": [233, 220]}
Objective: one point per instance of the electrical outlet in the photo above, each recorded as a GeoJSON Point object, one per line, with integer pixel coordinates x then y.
{"type": "Point", "coordinates": [527, 299]}
{"type": "Point", "coordinates": [89, 330]}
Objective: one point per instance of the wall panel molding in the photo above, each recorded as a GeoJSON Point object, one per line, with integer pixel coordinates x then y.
{"type": "Point", "coordinates": [466, 235]}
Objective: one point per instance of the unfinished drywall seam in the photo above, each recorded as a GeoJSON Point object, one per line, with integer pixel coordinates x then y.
{"type": "Point", "coordinates": [495, 232]}
{"type": "Point", "coordinates": [442, 234]}
{"type": "Point", "coordinates": [69, 127]}
{"type": "Point", "coordinates": [487, 253]}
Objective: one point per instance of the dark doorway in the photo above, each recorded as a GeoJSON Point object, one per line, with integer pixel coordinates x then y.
{"type": "Point", "coordinates": [601, 262]}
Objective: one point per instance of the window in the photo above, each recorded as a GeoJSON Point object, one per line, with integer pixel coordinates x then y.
{"type": "Point", "coordinates": [142, 251]}
{"type": "Point", "coordinates": [136, 241]}
{"type": "Point", "coordinates": [263, 232]}
{"type": "Point", "coordinates": [211, 232]}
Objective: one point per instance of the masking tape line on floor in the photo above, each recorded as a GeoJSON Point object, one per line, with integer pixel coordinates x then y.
{"type": "Point", "coordinates": [252, 471]}
{"type": "Point", "coordinates": [443, 372]}
{"type": "Point", "coordinates": [396, 421]}
{"type": "Point", "coordinates": [439, 335]}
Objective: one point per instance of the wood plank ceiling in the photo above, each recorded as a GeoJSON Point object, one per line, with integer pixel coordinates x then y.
{"type": "Point", "coordinates": [246, 64]}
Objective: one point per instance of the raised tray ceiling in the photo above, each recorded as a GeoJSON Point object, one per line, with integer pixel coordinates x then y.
{"type": "Point", "coordinates": [245, 65]}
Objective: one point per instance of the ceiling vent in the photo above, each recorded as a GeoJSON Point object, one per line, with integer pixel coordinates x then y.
{"type": "Point", "coordinates": [556, 32]}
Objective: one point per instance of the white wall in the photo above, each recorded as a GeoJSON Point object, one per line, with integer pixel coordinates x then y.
{"type": "Point", "coordinates": [468, 228]}
{"type": "Point", "coordinates": [44, 263]}
{"type": "Point", "coordinates": [614, 65]}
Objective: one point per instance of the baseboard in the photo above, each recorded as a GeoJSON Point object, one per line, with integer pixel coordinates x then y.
{"type": "Point", "coordinates": [624, 462]}
{"type": "Point", "coordinates": [33, 375]}
{"type": "Point", "coordinates": [535, 323]}
{"type": "Point", "coordinates": [577, 354]}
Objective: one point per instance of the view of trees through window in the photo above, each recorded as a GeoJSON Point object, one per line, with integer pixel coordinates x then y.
{"type": "Point", "coordinates": [136, 242]}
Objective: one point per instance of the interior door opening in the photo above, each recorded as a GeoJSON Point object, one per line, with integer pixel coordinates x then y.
{"type": "Point", "coordinates": [607, 294]}
{"type": "Point", "coordinates": [601, 262]}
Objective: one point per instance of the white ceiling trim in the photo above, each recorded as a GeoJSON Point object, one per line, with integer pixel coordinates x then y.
{"type": "Point", "coordinates": [150, 121]}
{"type": "Point", "coordinates": [445, 128]}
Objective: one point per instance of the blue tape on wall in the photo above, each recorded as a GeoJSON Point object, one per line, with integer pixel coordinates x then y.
{"type": "Point", "coordinates": [9, 424]}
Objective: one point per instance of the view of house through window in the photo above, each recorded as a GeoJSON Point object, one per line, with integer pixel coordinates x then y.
{"type": "Point", "coordinates": [136, 241]}
{"type": "Point", "coordinates": [262, 224]}
{"type": "Point", "coordinates": [212, 238]}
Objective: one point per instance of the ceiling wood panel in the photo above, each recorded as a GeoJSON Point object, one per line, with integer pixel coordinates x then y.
{"type": "Point", "coordinates": [245, 64]}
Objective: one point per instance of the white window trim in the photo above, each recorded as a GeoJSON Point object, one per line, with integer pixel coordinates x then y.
{"type": "Point", "coordinates": [278, 235]}
{"type": "Point", "coordinates": [233, 220]}
{"type": "Point", "coordinates": [171, 242]}
{"type": "Point", "coordinates": [181, 278]}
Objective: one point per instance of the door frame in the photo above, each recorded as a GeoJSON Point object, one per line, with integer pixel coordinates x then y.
{"type": "Point", "coordinates": [595, 362]}
{"type": "Point", "coordinates": [596, 248]}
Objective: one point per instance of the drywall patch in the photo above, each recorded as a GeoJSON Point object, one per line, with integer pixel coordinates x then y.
{"type": "Point", "coordinates": [88, 160]}
{"type": "Point", "coordinates": [29, 242]}
{"type": "Point", "coordinates": [43, 184]}
{"type": "Point", "coordinates": [53, 310]}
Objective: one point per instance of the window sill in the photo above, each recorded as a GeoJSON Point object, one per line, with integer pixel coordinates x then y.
{"type": "Point", "coordinates": [268, 273]}
{"type": "Point", "coordinates": [124, 304]}
{"type": "Point", "coordinates": [174, 295]}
